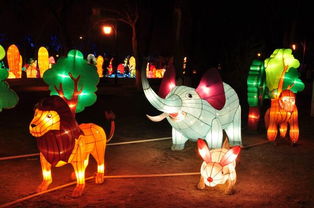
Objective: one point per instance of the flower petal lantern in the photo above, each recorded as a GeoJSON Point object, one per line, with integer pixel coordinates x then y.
{"type": "Point", "coordinates": [283, 81]}
{"type": "Point", "coordinates": [43, 60]}
{"type": "Point", "coordinates": [203, 112]}
{"type": "Point", "coordinates": [61, 140]}
{"type": "Point", "coordinates": [13, 58]}
{"type": "Point", "coordinates": [8, 98]}
{"type": "Point", "coordinates": [218, 166]}
{"type": "Point", "coordinates": [73, 79]}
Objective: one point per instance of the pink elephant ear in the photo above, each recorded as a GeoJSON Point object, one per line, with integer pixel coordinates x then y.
{"type": "Point", "coordinates": [211, 89]}
{"type": "Point", "coordinates": [168, 81]}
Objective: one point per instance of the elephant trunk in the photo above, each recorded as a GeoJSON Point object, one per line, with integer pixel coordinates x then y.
{"type": "Point", "coordinates": [172, 104]}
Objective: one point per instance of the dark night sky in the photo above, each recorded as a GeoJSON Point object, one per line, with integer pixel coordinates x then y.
{"type": "Point", "coordinates": [209, 34]}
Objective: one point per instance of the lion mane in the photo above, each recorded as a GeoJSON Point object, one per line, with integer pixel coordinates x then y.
{"type": "Point", "coordinates": [57, 145]}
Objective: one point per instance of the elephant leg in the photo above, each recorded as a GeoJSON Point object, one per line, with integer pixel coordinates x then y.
{"type": "Point", "coordinates": [233, 130]}
{"type": "Point", "coordinates": [214, 136]}
{"type": "Point", "coordinates": [178, 140]}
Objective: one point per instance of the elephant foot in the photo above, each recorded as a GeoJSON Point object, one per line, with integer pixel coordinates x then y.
{"type": "Point", "coordinates": [78, 191]}
{"type": "Point", "coordinates": [43, 186]}
{"type": "Point", "coordinates": [99, 178]}
{"type": "Point", "coordinates": [177, 147]}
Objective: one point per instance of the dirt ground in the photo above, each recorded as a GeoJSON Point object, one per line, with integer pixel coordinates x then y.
{"type": "Point", "coordinates": [268, 175]}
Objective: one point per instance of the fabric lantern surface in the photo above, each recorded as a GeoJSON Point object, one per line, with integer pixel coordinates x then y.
{"type": "Point", "coordinates": [43, 60]}
{"type": "Point", "coordinates": [8, 98]}
{"type": "Point", "coordinates": [203, 112]}
{"type": "Point", "coordinates": [13, 58]}
{"type": "Point", "coordinates": [218, 166]}
{"type": "Point", "coordinates": [61, 140]}
{"type": "Point", "coordinates": [73, 79]}
{"type": "Point", "coordinates": [132, 66]}
{"type": "Point", "coordinates": [100, 62]}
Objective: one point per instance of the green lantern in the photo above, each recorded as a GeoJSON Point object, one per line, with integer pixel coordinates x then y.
{"type": "Point", "coordinates": [73, 79]}
{"type": "Point", "coordinates": [8, 98]}
{"type": "Point", "coordinates": [275, 65]}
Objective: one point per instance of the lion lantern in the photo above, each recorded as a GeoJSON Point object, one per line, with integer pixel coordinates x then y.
{"type": "Point", "coordinates": [61, 140]}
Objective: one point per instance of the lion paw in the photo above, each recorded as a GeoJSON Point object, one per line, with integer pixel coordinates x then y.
{"type": "Point", "coordinates": [78, 191]}
{"type": "Point", "coordinates": [43, 186]}
{"type": "Point", "coordinates": [99, 178]}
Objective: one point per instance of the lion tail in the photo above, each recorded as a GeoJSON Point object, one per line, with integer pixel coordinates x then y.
{"type": "Point", "coordinates": [111, 117]}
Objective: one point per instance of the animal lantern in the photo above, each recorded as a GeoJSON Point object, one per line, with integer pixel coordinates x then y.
{"type": "Point", "coordinates": [61, 140]}
{"type": "Point", "coordinates": [203, 112]}
{"type": "Point", "coordinates": [218, 166]}
{"type": "Point", "coordinates": [283, 110]}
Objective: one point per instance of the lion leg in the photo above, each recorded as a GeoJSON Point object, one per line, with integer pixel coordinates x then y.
{"type": "Point", "coordinates": [272, 125]}
{"type": "Point", "coordinates": [294, 127]}
{"type": "Point", "coordinates": [283, 129]}
{"type": "Point", "coordinates": [99, 155]}
{"type": "Point", "coordinates": [79, 169]}
{"type": "Point", "coordinates": [46, 171]}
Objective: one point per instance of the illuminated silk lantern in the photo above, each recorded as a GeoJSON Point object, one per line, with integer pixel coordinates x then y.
{"type": "Point", "coordinates": [218, 166]}
{"type": "Point", "coordinates": [51, 61]}
{"type": "Point", "coordinates": [255, 92]}
{"type": "Point", "coordinates": [61, 140]}
{"type": "Point", "coordinates": [2, 52]}
{"type": "Point", "coordinates": [120, 68]}
{"type": "Point", "coordinates": [13, 58]}
{"type": "Point", "coordinates": [73, 79]}
{"type": "Point", "coordinates": [8, 98]}
{"type": "Point", "coordinates": [132, 66]}
{"type": "Point", "coordinates": [31, 69]}
{"type": "Point", "coordinates": [91, 59]}
{"type": "Point", "coordinates": [43, 60]}
{"type": "Point", "coordinates": [203, 112]}
{"type": "Point", "coordinates": [283, 110]}
{"type": "Point", "coordinates": [100, 61]}
{"type": "Point", "coordinates": [109, 68]}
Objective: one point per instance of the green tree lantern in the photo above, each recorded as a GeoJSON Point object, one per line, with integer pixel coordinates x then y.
{"type": "Point", "coordinates": [279, 63]}
{"type": "Point", "coordinates": [8, 98]}
{"type": "Point", "coordinates": [73, 79]}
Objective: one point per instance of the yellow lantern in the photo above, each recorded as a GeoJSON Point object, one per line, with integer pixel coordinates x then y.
{"type": "Point", "coordinates": [13, 57]}
{"type": "Point", "coordinates": [61, 140]}
{"type": "Point", "coordinates": [43, 60]}
{"type": "Point", "coordinates": [99, 63]}
{"type": "Point", "coordinates": [218, 166]}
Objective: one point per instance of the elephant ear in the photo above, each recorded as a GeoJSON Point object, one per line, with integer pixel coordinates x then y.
{"type": "Point", "coordinates": [168, 81]}
{"type": "Point", "coordinates": [211, 89]}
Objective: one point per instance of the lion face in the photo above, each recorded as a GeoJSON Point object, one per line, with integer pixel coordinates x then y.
{"type": "Point", "coordinates": [43, 122]}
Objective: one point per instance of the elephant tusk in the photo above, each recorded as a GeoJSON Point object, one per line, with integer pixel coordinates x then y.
{"type": "Point", "coordinates": [157, 118]}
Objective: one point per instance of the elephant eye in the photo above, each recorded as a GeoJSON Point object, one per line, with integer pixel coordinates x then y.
{"type": "Point", "coordinates": [49, 115]}
{"type": "Point", "coordinates": [189, 95]}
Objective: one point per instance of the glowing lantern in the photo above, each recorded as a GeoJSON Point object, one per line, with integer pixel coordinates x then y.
{"type": "Point", "coordinates": [100, 61]}
{"type": "Point", "coordinates": [283, 111]}
{"type": "Point", "coordinates": [107, 29]}
{"type": "Point", "coordinates": [132, 66]}
{"type": "Point", "coordinates": [73, 79]}
{"type": "Point", "coordinates": [13, 57]}
{"type": "Point", "coordinates": [43, 60]}
{"type": "Point", "coordinates": [91, 59]}
{"type": "Point", "coordinates": [8, 98]}
{"type": "Point", "coordinates": [61, 140]}
{"type": "Point", "coordinates": [31, 69]}
{"type": "Point", "coordinates": [255, 92]}
{"type": "Point", "coordinates": [197, 113]}
{"type": "Point", "coordinates": [2, 52]}
{"type": "Point", "coordinates": [218, 166]}
{"type": "Point", "coordinates": [109, 68]}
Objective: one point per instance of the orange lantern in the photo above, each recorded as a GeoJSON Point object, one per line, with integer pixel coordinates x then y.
{"type": "Point", "coordinates": [43, 60]}
{"type": "Point", "coordinates": [13, 57]}
{"type": "Point", "coordinates": [218, 166]}
{"type": "Point", "coordinates": [99, 63]}
{"type": "Point", "coordinates": [61, 140]}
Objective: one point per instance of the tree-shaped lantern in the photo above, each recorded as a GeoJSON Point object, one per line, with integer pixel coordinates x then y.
{"type": "Point", "coordinates": [282, 80]}
{"type": "Point", "coordinates": [73, 79]}
{"type": "Point", "coordinates": [8, 98]}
